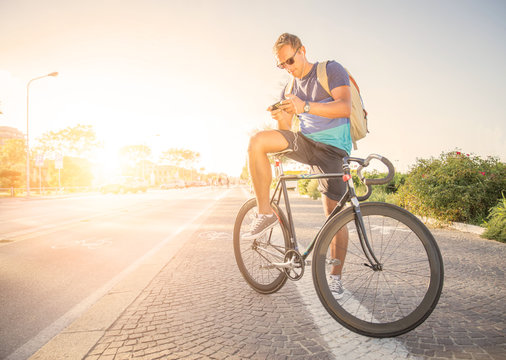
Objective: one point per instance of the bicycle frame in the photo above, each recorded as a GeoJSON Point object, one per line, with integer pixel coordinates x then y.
{"type": "Point", "coordinates": [350, 195]}
{"type": "Point", "coordinates": [384, 299]}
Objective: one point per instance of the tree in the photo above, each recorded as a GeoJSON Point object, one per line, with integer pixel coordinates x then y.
{"type": "Point", "coordinates": [78, 141]}
{"type": "Point", "coordinates": [180, 157]}
{"type": "Point", "coordinates": [135, 153]}
{"type": "Point", "coordinates": [132, 156]}
{"type": "Point", "coordinates": [76, 172]}
{"type": "Point", "coordinates": [10, 178]}
{"type": "Point", "coordinates": [12, 163]}
{"type": "Point", "coordinates": [245, 173]}
{"type": "Point", "coordinates": [77, 144]}
{"type": "Point", "coordinates": [13, 152]}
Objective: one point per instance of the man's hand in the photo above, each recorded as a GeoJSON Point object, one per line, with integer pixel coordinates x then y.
{"type": "Point", "coordinates": [283, 117]}
{"type": "Point", "coordinates": [294, 105]}
{"type": "Point", "coordinates": [338, 108]}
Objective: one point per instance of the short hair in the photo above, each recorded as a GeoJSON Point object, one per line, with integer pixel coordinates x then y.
{"type": "Point", "coordinates": [287, 39]}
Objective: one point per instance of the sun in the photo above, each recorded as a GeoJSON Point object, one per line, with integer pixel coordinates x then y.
{"type": "Point", "coordinates": [106, 163]}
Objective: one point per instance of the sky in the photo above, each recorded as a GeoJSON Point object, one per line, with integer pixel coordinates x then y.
{"type": "Point", "coordinates": [200, 74]}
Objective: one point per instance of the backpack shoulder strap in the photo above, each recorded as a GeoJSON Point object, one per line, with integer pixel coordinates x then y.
{"type": "Point", "coordinates": [321, 75]}
{"type": "Point", "coordinates": [289, 86]}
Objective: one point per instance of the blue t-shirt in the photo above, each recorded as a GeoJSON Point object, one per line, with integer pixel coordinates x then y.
{"type": "Point", "coordinates": [335, 132]}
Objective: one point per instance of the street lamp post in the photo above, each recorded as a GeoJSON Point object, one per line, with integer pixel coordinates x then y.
{"type": "Point", "coordinates": [27, 127]}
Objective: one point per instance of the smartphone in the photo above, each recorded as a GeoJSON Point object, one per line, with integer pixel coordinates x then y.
{"type": "Point", "coordinates": [276, 106]}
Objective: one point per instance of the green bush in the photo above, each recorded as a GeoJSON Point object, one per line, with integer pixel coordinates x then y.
{"type": "Point", "coordinates": [454, 187]}
{"type": "Point", "coordinates": [496, 224]}
{"type": "Point", "coordinates": [302, 186]}
{"type": "Point", "coordinates": [312, 190]}
{"type": "Point", "coordinates": [309, 187]}
{"type": "Point", "coordinates": [382, 193]}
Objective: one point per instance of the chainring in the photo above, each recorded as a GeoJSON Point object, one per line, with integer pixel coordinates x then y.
{"type": "Point", "coordinates": [296, 271]}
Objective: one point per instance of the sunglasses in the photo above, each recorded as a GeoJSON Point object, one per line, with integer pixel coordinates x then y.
{"type": "Point", "coordinates": [289, 61]}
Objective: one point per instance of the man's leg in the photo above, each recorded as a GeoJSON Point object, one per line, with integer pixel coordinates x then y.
{"type": "Point", "coordinates": [339, 245]}
{"type": "Point", "coordinates": [260, 145]}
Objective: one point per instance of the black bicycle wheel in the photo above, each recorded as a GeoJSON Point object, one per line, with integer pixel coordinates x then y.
{"type": "Point", "coordinates": [393, 299]}
{"type": "Point", "coordinates": [255, 258]}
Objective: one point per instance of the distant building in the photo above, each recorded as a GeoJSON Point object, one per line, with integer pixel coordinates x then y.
{"type": "Point", "coordinates": [156, 174]}
{"type": "Point", "coordinates": [163, 174]}
{"type": "Point", "coordinates": [7, 133]}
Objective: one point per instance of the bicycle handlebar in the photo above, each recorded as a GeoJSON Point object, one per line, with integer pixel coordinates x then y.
{"type": "Point", "coordinates": [384, 160]}
{"type": "Point", "coordinates": [370, 182]}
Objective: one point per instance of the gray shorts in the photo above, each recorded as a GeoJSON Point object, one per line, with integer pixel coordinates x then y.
{"type": "Point", "coordinates": [322, 158]}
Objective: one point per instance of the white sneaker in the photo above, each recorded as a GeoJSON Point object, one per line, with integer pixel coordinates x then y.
{"type": "Point", "coordinates": [336, 286]}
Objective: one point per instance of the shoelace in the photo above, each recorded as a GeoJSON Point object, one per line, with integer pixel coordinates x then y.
{"type": "Point", "coordinates": [335, 285]}
{"type": "Point", "coordinates": [257, 222]}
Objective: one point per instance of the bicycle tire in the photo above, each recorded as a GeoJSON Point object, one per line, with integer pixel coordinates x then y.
{"type": "Point", "coordinates": [250, 255]}
{"type": "Point", "coordinates": [391, 301]}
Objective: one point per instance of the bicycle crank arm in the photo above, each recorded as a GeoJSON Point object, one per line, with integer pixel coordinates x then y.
{"type": "Point", "coordinates": [285, 265]}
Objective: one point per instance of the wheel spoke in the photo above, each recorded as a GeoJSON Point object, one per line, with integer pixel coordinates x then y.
{"type": "Point", "coordinates": [359, 287]}
{"type": "Point", "coordinates": [375, 295]}
{"type": "Point", "coordinates": [393, 294]}
{"type": "Point", "coordinates": [365, 293]}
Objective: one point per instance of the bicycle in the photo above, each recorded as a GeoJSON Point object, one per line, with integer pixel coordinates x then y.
{"type": "Point", "coordinates": [392, 272]}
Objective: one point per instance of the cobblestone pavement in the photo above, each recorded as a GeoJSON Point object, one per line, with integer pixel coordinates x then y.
{"type": "Point", "coordinates": [199, 307]}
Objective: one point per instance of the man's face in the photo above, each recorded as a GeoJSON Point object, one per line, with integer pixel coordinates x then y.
{"type": "Point", "coordinates": [285, 56]}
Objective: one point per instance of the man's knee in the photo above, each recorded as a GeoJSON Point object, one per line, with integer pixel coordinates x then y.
{"type": "Point", "coordinates": [258, 141]}
{"type": "Point", "coordinates": [267, 141]}
{"type": "Point", "coordinates": [254, 142]}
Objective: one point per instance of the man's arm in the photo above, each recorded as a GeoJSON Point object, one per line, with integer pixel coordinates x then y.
{"type": "Point", "coordinates": [340, 107]}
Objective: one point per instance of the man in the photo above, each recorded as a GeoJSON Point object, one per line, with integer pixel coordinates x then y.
{"type": "Point", "coordinates": [323, 140]}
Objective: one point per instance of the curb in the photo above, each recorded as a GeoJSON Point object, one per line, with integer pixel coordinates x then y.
{"type": "Point", "coordinates": [473, 229]}
{"type": "Point", "coordinates": [468, 228]}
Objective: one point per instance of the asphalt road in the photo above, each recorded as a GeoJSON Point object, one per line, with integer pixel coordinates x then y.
{"type": "Point", "coordinates": [59, 256]}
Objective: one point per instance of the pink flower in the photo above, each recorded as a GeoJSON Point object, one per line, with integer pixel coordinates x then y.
{"type": "Point", "coordinates": [458, 152]}
{"type": "Point", "coordinates": [482, 172]}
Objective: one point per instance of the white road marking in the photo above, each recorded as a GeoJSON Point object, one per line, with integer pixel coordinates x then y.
{"type": "Point", "coordinates": [90, 243]}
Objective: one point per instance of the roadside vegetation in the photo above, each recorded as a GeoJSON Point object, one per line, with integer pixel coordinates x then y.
{"type": "Point", "coordinates": [496, 222]}
{"type": "Point", "coordinates": [309, 187]}
{"type": "Point", "coordinates": [73, 159]}
{"type": "Point", "coordinates": [455, 187]}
